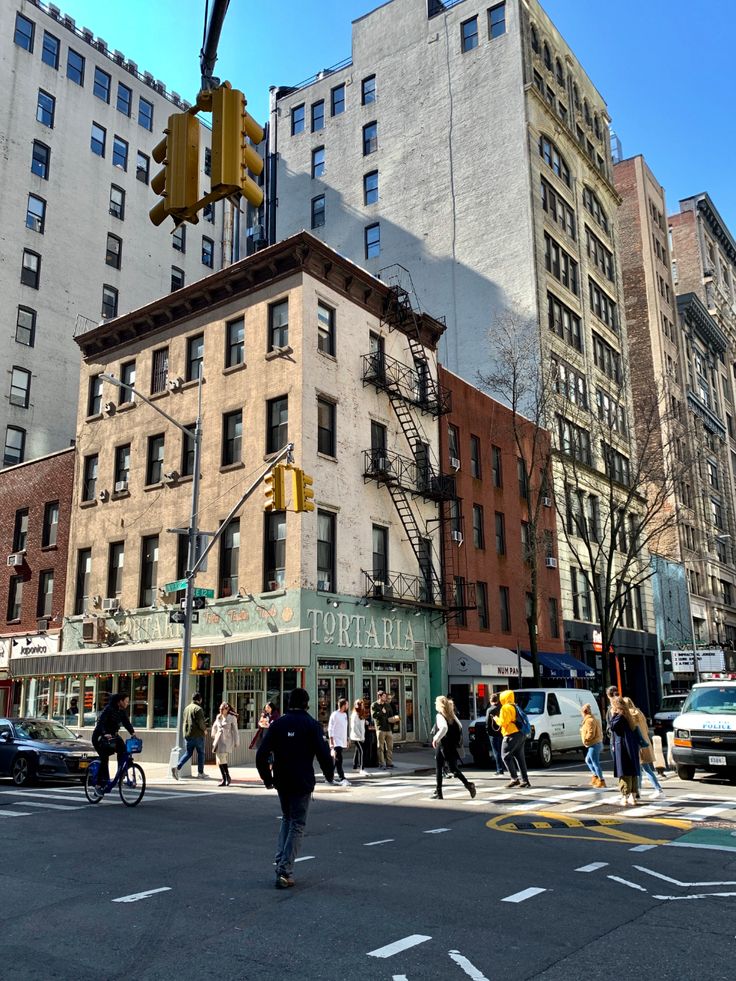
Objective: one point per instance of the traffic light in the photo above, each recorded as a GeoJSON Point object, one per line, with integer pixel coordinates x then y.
{"type": "Point", "coordinates": [201, 661]}
{"type": "Point", "coordinates": [303, 494]}
{"type": "Point", "coordinates": [172, 661]}
{"type": "Point", "coordinates": [275, 490]}
{"type": "Point", "coordinates": [232, 154]}
{"type": "Point", "coordinates": [178, 182]}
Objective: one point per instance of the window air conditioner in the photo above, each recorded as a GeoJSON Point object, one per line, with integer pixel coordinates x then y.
{"type": "Point", "coordinates": [111, 603]}
{"type": "Point", "coordinates": [108, 408]}
{"type": "Point", "coordinates": [121, 486]}
{"type": "Point", "coordinates": [103, 495]}
{"type": "Point", "coordinates": [454, 463]}
{"type": "Point", "coordinates": [457, 536]}
{"type": "Point", "coordinates": [547, 502]}
{"type": "Point", "coordinates": [42, 625]}
{"type": "Point", "coordinates": [174, 384]}
{"type": "Point", "coordinates": [551, 562]}
{"type": "Point", "coordinates": [15, 559]}
{"type": "Point", "coordinates": [93, 631]}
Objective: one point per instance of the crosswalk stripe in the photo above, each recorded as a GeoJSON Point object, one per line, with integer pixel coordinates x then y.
{"type": "Point", "coordinates": [53, 807]}
{"type": "Point", "coordinates": [15, 814]}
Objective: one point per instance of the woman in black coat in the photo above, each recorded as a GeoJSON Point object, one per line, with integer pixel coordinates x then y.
{"type": "Point", "coordinates": [625, 751]}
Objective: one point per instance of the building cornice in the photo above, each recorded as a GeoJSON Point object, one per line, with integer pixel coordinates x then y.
{"type": "Point", "coordinates": [695, 315]}
{"type": "Point", "coordinates": [717, 225]}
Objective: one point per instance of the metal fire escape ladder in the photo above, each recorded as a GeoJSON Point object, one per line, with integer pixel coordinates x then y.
{"type": "Point", "coordinates": [416, 538]}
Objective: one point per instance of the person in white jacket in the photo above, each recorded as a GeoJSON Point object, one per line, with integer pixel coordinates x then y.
{"type": "Point", "coordinates": [337, 732]}
{"type": "Point", "coordinates": [225, 739]}
{"type": "Point", "coordinates": [447, 742]}
{"type": "Point", "coordinates": [357, 735]}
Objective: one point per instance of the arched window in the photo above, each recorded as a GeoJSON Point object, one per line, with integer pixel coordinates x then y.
{"type": "Point", "coordinates": [547, 56]}
{"type": "Point", "coordinates": [535, 40]}
{"type": "Point", "coordinates": [576, 95]}
{"type": "Point", "coordinates": [560, 72]}
{"type": "Point", "coordinates": [597, 126]}
{"type": "Point", "coordinates": [551, 155]}
{"type": "Point", "coordinates": [586, 112]}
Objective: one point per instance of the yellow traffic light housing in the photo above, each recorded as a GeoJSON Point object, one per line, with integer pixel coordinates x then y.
{"type": "Point", "coordinates": [303, 493]}
{"type": "Point", "coordinates": [232, 153]}
{"type": "Point", "coordinates": [201, 661]}
{"type": "Point", "coordinates": [178, 182]}
{"type": "Point", "coordinates": [275, 490]}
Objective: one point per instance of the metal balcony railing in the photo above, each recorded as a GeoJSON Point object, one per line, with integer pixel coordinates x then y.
{"type": "Point", "coordinates": [387, 466]}
{"type": "Point", "coordinates": [403, 588]}
{"type": "Point", "coordinates": [398, 379]}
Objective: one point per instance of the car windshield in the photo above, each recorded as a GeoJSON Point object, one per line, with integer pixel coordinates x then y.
{"type": "Point", "coordinates": [42, 729]}
{"type": "Point", "coordinates": [531, 702]}
{"type": "Point", "coordinates": [713, 701]}
{"type": "Point", "coordinates": [672, 703]}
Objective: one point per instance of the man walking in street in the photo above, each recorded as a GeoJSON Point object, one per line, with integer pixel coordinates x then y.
{"type": "Point", "coordinates": [512, 749]}
{"type": "Point", "coordinates": [381, 711]}
{"type": "Point", "coordinates": [337, 732]}
{"type": "Point", "coordinates": [285, 760]}
{"type": "Point", "coordinates": [195, 727]}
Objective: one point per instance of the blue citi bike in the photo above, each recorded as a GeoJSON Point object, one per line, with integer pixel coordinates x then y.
{"type": "Point", "coordinates": [129, 778]}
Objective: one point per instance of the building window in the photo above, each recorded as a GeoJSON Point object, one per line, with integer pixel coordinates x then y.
{"type": "Point", "coordinates": [82, 582]}
{"type": "Point", "coordinates": [602, 305]}
{"type": "Point", "coordinates": [45, 601]}
{"type": "Point", "coordinates": [599, 255]}
{"type": "Point", "coordinates": [235, 350]}
{"type": "Point", "coordinates": [560, 264]}
{"type": "Point", "coordinates": [125, 99]}
{"type": "Point", "coordinates": [563, 322]}
{"type": "Point", "coordinates": [208, 213]}
{"type": "Point", "coordinates": [208, 252]}
{"type": "Point", "coordinates": [594, 207]}
{"type": "Point", "coordinates": [50, 50]}
{"type": "Point", "coordinates": [277, 423]}
{"type": "Point", "coordinates": [475, 456]}
{"type": "Point", "coordinates": [127, 376]}
{"type": "Point", "coordinates": [274, 572]}
{"type": "Point", "coordinates": [229, 555]}
{"type": "Point", "coordinates": [30, 273]}
{"type": "Point", "coordinates": [20, 387]}
{"type": "Point", "coordinates": [573, 441]}
{"type": "Point", "coordinates": [50, 524]}
{"type": "Point", "coordinates": [453, 446]}
{"type": "Point", "coordinates": [479, 537]}
{"type": "Point", "coordinates": [122, 468]}
{"type": "Point", "coordinates": [187, 453]}
{"type": "Point", "coordinates": [522, 478]}
{"type": "Point", "coordinates": [318, 211]}
{"type": "Point", "coordinates": [109, 302]}
{"type": "Point", "coordinates": [89, 476]}
{"type": "Point", "coordinates": [278, 325]}
{"type": "Point", "coordinates": [149, 571]}
{"type": "Point", "coordinates": [318, 115]}
{"type": "Point", "coordinates": [117, 202]}
{"type": "Point", "coordinates": [97, 140]}
{"type": "Point", "coordinates": [15, 446]}
{"type": "Point", "coordinates": [75, 67]}
{"type": "Point", "coordinates": [25, 326]}
{"type": "Point", "coordinates": [195, 357]}
{"type": "Point", "coordinates": [318, 161]}
{"type": "Point", "coordinates": [497, 21]}
{"type": "Point", "coordinates": [325, 329]}
{"type": "Point", "coordinates": [557, 208]}
{"type": "Point", "coordinates": [232, 437]}
{"type": "Point", "coordinates": [337, 100]}
{"type": "Point", "coordinates": [101, 85]}
{"type": "Point", "coordinates": [372, 241]}
{"type": "Point", "coordinates": [115, 562]}
{"type": "Point", "coordinates": [554, 159]}
{"type": "Point", "coordinates": [36, 214]}
{"type": "Point", "coordinates": [380, 554]}
{"type": "Point", "coordinates": [504, 609]}
{"type": "Point", "coordinates": [581, 609]}
{"type": "Point", "coordinates": [114, 251]}
{"type": "Point", "coordinates": [481, 604]}
{"type": "Point", "coordinates": [142, 164]}
{"type": "Point", "coordinates": [40, 160]}
{"type": "Point", "coordinates": [326, 564]}
{"type": "Point", "coordinates": [370, 138]}
{"type": "Point", "coordinates": [177, 278]}
{"type": "Point", "coordinates": [496, 466]}
{"type": "Point", "coordinates": [500, 534]}
{"type": "Point", "coordinates": [297, 119]}
{"type": "Point", "coordinates": [24, 31]}
{"type": "Point", "coordinates": [370, 187]}
{"type": "Point", "coordinates": [179, 239]}
{"type": "Point", "coordinates": [119, 153]}
{"type": "Point", "coordinates": [207, 162]}
{"type": "Point", "coordinates": [20, 531]}
{"type": "Point", "coordinates": [554, 618]}
{"type": "Point", "coordinates": [326, 427]}
{"type": "Point", "coordinates": [606, 358]}
{"type": "Point", "coordinates": [15, 598]}
{"type": "Point", "coordinates": [155, 459]}
{"type": "Point", "coordinates": [45, 109]}
{"type": "Point", "coordinates": [145, 114]}
{"type": "Point", "coordinates": [368, 90]}
{"type": "Point", "coordinates": [469, 34]}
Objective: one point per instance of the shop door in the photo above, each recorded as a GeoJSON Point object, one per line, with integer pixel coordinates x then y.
{"type": "Point", "coordinates": [401, 689]}
{"type": "Point", "coordinates": [330, 689]}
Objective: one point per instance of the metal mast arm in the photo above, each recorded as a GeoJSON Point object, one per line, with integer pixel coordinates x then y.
{"type": "Point", "coordinates": [208, 54]}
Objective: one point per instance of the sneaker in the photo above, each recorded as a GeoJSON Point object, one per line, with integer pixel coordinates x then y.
{"type": "Point", "coordinates": [203, 776]}
{"type": "Point", "coordinates": [624, 801]}
{"type": "Point", "coordinates": [363, 773]}
{"type": "Point", "coordinates": [656, 793]}
{"type": "Point", "coordinates": [525, 784]}
{"type": "Point", "coordinates": [344, 782]}
{"type": "Point", "coordinates": [472, 790]}
{"type": "Point", "coordinates": [437, 796]}
{"type": "Point", "coordinates": [632, 801]}
{"type": "Point", "coordinates": [175, 772]}
{"type": "Point", "coordinates": [284, 881]}
{"type": "Point", "coordinates": [513, 783]}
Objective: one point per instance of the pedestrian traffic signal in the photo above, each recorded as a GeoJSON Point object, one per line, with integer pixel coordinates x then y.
{"type": "Point", "coordinates": [172, 661]}
{"type": "Point", "coordinates": [275, 490]}
{"type": "Point", "coordinates": [178, 182]}
{"type": "Point", "coordinates": [201, 661]}
{"type": "Point", "coordinates": [232, 153]}
{"type": "Point", "coordinates": [303, 494]}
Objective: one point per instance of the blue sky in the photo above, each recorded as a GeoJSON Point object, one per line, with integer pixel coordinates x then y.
{"type": "Point", "coordinates": [663, 66]}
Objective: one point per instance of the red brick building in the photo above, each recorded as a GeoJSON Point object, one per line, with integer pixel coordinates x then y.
{"type": "Point", "coordinates": [35, 508]}
{"type": "Point", "coordinates": [488, 531]}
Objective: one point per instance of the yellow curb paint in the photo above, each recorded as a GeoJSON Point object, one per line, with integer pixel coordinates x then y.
{"type": "Point", "coordinates": [596, 829]}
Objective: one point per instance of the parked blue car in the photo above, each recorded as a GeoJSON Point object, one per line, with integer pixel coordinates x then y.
{"type": "Point", "coordinates": [34, 748]}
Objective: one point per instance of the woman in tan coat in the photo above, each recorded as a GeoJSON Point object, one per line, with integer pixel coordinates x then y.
{"type": "Point", "coordinates": [225, 739]}
{"type": "Point", "coordinates": [646, 751]}
{"type": "Point", "coordinates": [591, 736]}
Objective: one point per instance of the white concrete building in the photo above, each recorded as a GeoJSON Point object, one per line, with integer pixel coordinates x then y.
{"type": "Point", "coordinates": [78, 123]}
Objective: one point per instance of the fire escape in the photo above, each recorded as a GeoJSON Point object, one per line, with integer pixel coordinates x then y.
{"type": "Point", "coordinates": [412, 388]}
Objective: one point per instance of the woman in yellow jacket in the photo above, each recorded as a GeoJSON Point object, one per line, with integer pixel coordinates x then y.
{"type": "Point", "coordinates": [591, 736]}
{"type": "Point", "coordinates": [512, 748]}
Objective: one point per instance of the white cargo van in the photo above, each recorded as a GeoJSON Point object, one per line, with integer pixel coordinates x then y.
{"type": "Point", "coordinates": [705, 732]}
{"type": "Point", "coordinates": [556, 719]}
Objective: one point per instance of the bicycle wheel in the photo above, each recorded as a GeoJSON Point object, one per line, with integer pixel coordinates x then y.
{"type": "Point", "coordinates": [90, 784]}
{"type": "Point", "coordinates": [132, 785]}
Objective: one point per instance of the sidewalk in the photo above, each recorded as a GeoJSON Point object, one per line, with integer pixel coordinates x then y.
{"type": "Point", "coordinates": [406, 761]}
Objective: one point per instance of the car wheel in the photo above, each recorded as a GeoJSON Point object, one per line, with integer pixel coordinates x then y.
{"type": "Point", "coordinates": [22, 771]}
{"type": "Point", "coordinates": [685, 772]}
{"type": "Point", "coordinates": [544, 753]}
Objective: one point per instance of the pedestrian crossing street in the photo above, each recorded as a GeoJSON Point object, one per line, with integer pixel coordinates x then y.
{"type": "Point", "coordinates": [19, 803]}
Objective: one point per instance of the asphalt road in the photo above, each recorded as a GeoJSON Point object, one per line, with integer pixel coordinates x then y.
{"type": "Point", "coordinates": [547, 884]}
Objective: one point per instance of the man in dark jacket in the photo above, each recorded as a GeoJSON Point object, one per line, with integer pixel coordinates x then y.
{"type": "Point", "coordinates": [105, 738]}
{"type": "Point", "coordinates": [285, 760]}
{"type": "Point", "coordinates": [195, 729]}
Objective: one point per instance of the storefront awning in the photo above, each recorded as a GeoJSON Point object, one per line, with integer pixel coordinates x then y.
{"type": "Point", "coordinates": [562, 666]}
{"type": "Point", "coordinates": [472, 660]}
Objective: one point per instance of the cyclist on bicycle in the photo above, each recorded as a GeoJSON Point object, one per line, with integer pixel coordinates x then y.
{"type": "Point", "coordinates": [105, 738]}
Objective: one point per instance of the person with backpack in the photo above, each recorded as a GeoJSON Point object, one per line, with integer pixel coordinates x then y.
{"type": "Point", "coordinates": [515, 728]}
{"type": "Point", "coordinates": [448, 741]}
{"type": "Point", "coordinates": [493, 732]}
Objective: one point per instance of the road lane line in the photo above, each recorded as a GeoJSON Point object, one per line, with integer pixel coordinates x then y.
{"type": "Point", "coordinates": [15, 814]}
{"type": "Point", "coordinates": [435, 831]}
{"type": "Point", "coordinates": [676, 882]}
{"type": "Point", "coordinates": [398, 946]}
{"type": "Point", "coordinates": [470, 969]}
{"type": "Point", "coordinates": [625, 882]}
{"type": "Point", "coordinates": [134, 897]}
{"type": "Point", "coordinates": [35, 793]}
{"type": "Point", "coordinates": [519, 897]}
{"type": "Point", "coordinates": [304, 858]}
{"type": "Point", "coordinates": [643, 848]}
{"type": "Point", "coordinates": [383, 841]}
{"type": "Point", "coordinates": [704, 895]}
{"type": "Point", "coordinates": [593, 867]}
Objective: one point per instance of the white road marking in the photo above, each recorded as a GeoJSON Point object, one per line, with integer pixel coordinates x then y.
{"type": "Point", "coordinates": [383, 841]}
{"type": "Point", "coordinates": [54, 807]}
{"type": "Point", "coordinates": [704, 812]}
{"type": "Point", "coordinates": [15, 814]}
{"type": "Point", "coordinates": [519, 897]}
{"type": "Point", "coordinates": [642, 848]}
{"type": "Point", "coordinates": [704, 895]}
{"type": "Point", "coordinates": [402, 793]}
{"type": "Point", "coordinates": [593, 867]}
{"type": "Point", "coordinates": [710, 848]}
{"type": "Point", "coordinates": [436, 831]}
{"type": "Point", "coordinates": [625, 882]}
{"type": "Point", "coordinates": [36, 793]}
{"type": "Point", "coordinates": [134, 897]}
{"type": "Point", "coordinates": [304, 858]}
{"type": "Point", "coordinates": [470, 969]}
{"type": "Point", "coordinates": [398, 945]}
{"type": "Point", "coordinates": [399, 977]}
{"type": "Point", "coordinates": [676, 882]}
{"type": "Point", "coordinates": [587, 807]}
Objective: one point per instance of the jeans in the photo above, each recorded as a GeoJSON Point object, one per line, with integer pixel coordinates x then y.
{"type": "Point", "coordinates": [358, 755]}
{"type": "Point", "coordinates": [513, 755]}
{"type": "Point", "coordinates": [385, 747]}
{"type": "Point", "coordinates": [337, 750]}
{"type": "Point", "coordinates": [593, 760]}
{"type": "Point", "coordinates": [293, 822]}
{"type": "Point", "coordinates": [649, 770]}
{"type": "Point", "coordinates": [192, 744]}
{"type": "Point", "coordinates": [496, 740]}
{"type": "Point", "coordinates": [103, 747]}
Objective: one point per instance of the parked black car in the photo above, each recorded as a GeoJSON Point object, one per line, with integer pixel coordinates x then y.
{"type": "Point", "coordinates": [33, 748]}
{"type": "Point", "coordinates": [669, 709]}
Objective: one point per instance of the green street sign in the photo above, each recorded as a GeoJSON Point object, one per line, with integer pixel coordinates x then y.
{"type": "Point", "coordinates": [174, 587]}
{"type": "Point", "coordinates": [207, 593]}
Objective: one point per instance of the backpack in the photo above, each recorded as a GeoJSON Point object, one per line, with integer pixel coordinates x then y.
{"type": "Point", "coordinates": [522, 722]}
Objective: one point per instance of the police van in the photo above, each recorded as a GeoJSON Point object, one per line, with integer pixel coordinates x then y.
{"type": "Point", "coordinates": [705, 731]}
